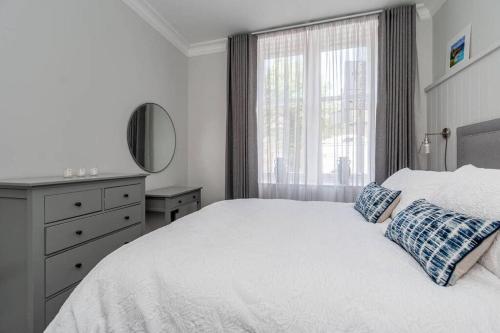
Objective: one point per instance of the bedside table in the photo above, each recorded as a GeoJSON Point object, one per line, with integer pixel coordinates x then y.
{"type": "Point", "coordinates": [168, 204]}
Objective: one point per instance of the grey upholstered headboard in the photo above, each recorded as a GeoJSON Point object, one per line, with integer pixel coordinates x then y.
{"type": "Point", "coordinates": [479, 144]}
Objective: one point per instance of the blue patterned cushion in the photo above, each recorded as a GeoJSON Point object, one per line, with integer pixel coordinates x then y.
{"type": "Point", "coordinates": [376, 203]}
{"type": "Point", "coordinates": [445, 243]}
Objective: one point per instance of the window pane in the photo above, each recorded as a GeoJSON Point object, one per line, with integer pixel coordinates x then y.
{"type": "Point", "coordinates": [316, 98]}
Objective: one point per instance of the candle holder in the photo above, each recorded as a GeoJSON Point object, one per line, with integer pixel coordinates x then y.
{"type": "Point", "coordinates": [68, 173]}
{"type": "Point", "coordinates": [82, 172]}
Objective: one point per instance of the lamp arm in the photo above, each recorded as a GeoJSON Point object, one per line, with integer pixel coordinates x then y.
{"type": "Point", "coordinates": [445, 133]}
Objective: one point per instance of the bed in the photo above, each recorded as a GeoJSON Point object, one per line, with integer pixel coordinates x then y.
{"type": "Point", "coordinates": [275, 266]}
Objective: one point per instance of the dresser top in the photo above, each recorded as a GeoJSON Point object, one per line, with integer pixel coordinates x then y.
{"type": "Point", "coordinates": [171, 191]}
{"type": "Point", "coordinates": [59, 180]}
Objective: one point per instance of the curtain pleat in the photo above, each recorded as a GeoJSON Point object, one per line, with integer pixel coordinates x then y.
{"type": "Point", "coordinates": [395, 144]}
{"type": "Point", "coordinates": [241, 141]}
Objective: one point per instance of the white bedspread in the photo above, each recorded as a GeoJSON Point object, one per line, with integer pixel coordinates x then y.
{"type": "Point", "coordinates": [274, 266]}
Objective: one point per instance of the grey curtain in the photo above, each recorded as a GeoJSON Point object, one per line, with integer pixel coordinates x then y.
{"type": "Point", "coordinates": [241, 140]}
{"type": "Point", "coordinates": [137, 135]}
{"type": "Point", "coordinates": [395, 142]}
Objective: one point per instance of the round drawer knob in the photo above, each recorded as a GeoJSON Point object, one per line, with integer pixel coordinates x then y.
{"type": "Point", "coordinates": [125, 195]}
{"type": "Point", "coordinates": [180, 201]}
{"type": "Point", "coordinates": [78, 232]}
{"type": "Point", "coordinates": [194, 196]}
{"type": "Point", "coordinates": [79, 265]}
{"type": "Point", "coordinates": [78, 204]}
{"type": "Point", "coordinates": [127, 217]}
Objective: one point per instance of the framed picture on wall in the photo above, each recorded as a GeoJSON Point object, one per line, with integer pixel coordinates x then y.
{"type": "Point", "coordinates": [457, 51]}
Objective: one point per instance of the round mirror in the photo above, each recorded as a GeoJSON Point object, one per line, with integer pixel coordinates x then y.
{"type": "Point", "coordinates": [151, 137]}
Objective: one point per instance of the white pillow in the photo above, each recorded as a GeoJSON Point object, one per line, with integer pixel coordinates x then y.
{"type": "Point", "coordinates": [414, 185]}
{"type": "Point", "coordinates": [476, 192]}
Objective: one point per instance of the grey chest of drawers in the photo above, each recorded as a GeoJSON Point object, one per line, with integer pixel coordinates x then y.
{"type": "Point", "coordinates": [53, 232]}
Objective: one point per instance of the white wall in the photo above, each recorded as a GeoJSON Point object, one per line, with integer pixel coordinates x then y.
{"type": "Point", "coordinates": [455, 15]}
{"type": "Point", "coordinates": [72, 72]}
{"type": "Point", "coordinates": [207, 124]}
{"type": "Point", "coordinates": [424, 78]}
{"type": "Point", "coordinates": [470, 96]}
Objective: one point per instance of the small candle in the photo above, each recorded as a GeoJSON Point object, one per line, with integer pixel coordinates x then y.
{"type": "Point", "coordinates": [82, 172]}
{"type": "Point", "coordinates": [68, 173]}
{"type": "Point", "coordinates": [93, 171]}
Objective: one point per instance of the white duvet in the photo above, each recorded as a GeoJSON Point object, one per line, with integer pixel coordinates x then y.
{"type": "Point", "coordinates": [274, 266]}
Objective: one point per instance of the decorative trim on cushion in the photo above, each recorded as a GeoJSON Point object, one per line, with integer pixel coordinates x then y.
{"type": "Point", "coordinates": [445, 243]}
{"type": "Point", "coordinates": [376, 203]}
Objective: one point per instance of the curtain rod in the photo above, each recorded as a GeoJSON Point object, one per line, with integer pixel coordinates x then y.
{"type": "Point", "coordinates": [306, 24]}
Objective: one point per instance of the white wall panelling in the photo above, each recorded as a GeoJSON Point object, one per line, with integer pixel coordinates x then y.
{"type": "Point", "coordinates": [468, 97]}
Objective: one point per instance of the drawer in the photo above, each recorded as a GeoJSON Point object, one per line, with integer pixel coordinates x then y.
{"type": "Point", "coordinates": [53, 305]}
{"type": "Point", "coordinates": [184, 210]}
{"type": "Point", "coordinates": [67, 234]}
{"type": "Point", "coordinates": [122, 195]}
{"type": "Point", "coordinates": [154, 204]}
{"type": "Point", "coordinates": [182, 200]}
{"type": "Point", "coordinates": [66, 205]}
{"type": "Point", "coordinates": [64, 269]}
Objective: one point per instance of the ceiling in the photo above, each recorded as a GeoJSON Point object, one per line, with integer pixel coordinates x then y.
{"type": "Point", "coordinates": [202, 21]}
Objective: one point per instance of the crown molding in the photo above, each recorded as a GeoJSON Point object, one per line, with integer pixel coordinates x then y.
{"type": "Point", "coordinates": [149, 14]}
{"type": "Point", "coordinates": [159, 23]}
{"type": "Point", "coordinates": [423, 12]}
{"type": "Point", "coordinates": [432, 6]}
{"type": "Point", "coordinates": [208, 47]}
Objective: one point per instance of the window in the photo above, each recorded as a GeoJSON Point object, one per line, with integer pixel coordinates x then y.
{"type": "Point", "coordinates": [316, 101]}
